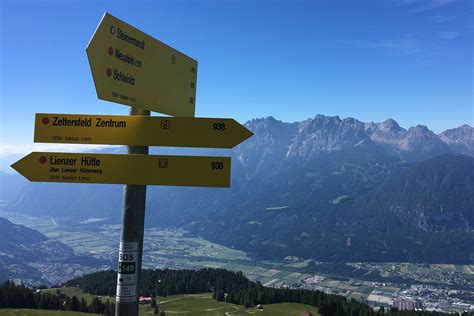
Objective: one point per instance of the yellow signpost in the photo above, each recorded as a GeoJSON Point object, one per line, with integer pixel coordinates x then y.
{"type": "Point", "coordinates": [125, 169]}
{"type": "Point", "coordinates": [139, 130]}
{"type": "Point", "coordinates": [133, 68]}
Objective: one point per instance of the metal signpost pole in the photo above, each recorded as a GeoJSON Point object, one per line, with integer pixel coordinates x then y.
{"type": "Point", "coordinates": [131, 240]}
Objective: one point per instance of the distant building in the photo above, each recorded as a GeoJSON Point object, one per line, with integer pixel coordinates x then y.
{"type": "Point", "coordinates": [144, 300]}
{"type": "Point", "coordinates": [405, 303]}
{"type": "Point", "coordinates": [306, 313]}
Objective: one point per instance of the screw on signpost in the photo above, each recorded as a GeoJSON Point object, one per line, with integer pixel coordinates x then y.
{"type": "Point", "coordinates": [131, 239]}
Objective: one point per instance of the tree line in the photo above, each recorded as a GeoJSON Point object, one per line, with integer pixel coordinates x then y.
{"type": "Point", "coordinates": [235, 288]}
{"type": "Point", "coordinates": [20, 296]}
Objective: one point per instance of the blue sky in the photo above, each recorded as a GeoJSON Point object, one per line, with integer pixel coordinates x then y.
{"type": "Point", "coordinates": [411, 60]}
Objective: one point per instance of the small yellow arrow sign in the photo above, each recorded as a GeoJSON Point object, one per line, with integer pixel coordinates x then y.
{"type": "Point", "coordinates": [132, 68]}
{"type": "Point", "coordinates": [139, 130]}
{"type": "Point", "coordinates": [125, 169]}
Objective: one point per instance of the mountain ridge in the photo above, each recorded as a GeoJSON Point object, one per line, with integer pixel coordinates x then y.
{"type": "Point", "coordinates": [287, 175]}
{"type": "Point", "coordinates": [333, 133]}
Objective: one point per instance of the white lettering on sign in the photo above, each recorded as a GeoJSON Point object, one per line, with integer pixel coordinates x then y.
{"type": "Point", "coordinates": [127, 272]}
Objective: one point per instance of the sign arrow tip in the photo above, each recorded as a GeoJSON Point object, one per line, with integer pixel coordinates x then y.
{"type": "Point", "coordinates": [246, 133]}
{"type": "Point", "coordinates": [19, 166]}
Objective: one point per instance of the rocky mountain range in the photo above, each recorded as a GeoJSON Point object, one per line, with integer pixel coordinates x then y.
{"type": "Point", "coordinates": [326, 188]}
{"type": "Point", "coordinates": [324, 133]}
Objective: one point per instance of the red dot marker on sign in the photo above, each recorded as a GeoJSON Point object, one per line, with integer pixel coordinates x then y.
{"type": "Point", "coordinates": [45, 120]}
{"type": "Point", "coordinates": [109, 72]}
{"type": "Point", "coordinates": [111, 51]}
{"type": "Point", "coordinates": [112, 30]}
{"type": "Point", "coordinates": [43, 159]}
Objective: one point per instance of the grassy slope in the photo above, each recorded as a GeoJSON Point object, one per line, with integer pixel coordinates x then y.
{"type": "Point", "coordinates": [204, 305]}
{"type": "Point", "coordinates": [195, 305]}
{"type": "Point", "coordinates": [38, 312]}
{"type": "Point", "coordinates": [74, 291]}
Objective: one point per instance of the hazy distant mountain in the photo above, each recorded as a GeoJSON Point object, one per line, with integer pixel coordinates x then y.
{"type": "Point", "coordinates": [460, 139]}
{"type": "Point", "coordinates": [30, 256]}
{"type": "Point", "coordinates": [6, 159]}
{"type": "Point", "coordinates": [434, 195]}
{"type": "Point", "coordinates": [298, 190]}
{"type": "Point", "coordinates": [425, 212]}
{"type": "Point", "coordinates": [10, 186]}
{"type": "Point", "coordinates": [421, 143]}
{"type": "Point", "coordinates": [325, 134]}
{"type": "Point", "coordinates": [291, 185]}
{"type": "Point", "coordinates": [387, 132]}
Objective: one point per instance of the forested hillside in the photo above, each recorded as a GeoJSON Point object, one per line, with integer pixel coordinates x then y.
{"type": "Point", "coordinates": [20, 296]}
{"type": "Point", "coordinates": [232, 287]}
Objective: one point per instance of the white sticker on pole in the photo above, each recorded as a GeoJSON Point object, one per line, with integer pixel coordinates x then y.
{"type": "Point", "coordinates": [127, 272]}
{"type": "Point", "coordinates": [126, 293]}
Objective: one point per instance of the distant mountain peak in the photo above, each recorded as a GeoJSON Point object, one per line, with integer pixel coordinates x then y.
{"type": "Point", "coordinates": [386, 132]}
{"type": "Point", "coordinates": [465, 128]}
{"type": "Point", "coordinates": [326, 117]}
{"type": "Point", "coordinates": [390, 124]}
{"type": "Point", "coordinates": [461, 139]}
{"type": "Point", "coordinates": [265, 123]}
{"type": "Point", "coordinates": [263, 119]}
{"type": "Point", "coordinates": [419, 127]}
{"type": "Point", "coordinates": [350, 120]}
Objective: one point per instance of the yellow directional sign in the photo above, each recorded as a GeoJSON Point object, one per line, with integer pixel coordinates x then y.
{"type": "Point", "coordinates": [125, 169]}
{"type": "Point", "coordinates": [133, 68]}
{"type": "Point", "coordinates": [139, 130]}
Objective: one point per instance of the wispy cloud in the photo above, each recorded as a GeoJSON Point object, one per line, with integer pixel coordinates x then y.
{"type": "Point", "coordinates": [407, 44]}
{"type": "Point", "coordinates": [16, 149]}
{"type": "Point", "coordinates": [424, 6]}
{"type": "Point", "coordinates": [424, 48]}
{"type": "Point", "coordinates": [419, 6]}
{"type": "Point", "coordinates": [403, 3]}
{"type": "Point", "coordinates": [448, 35]}
{"type": "Point", "coordinates": [442, 18]}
